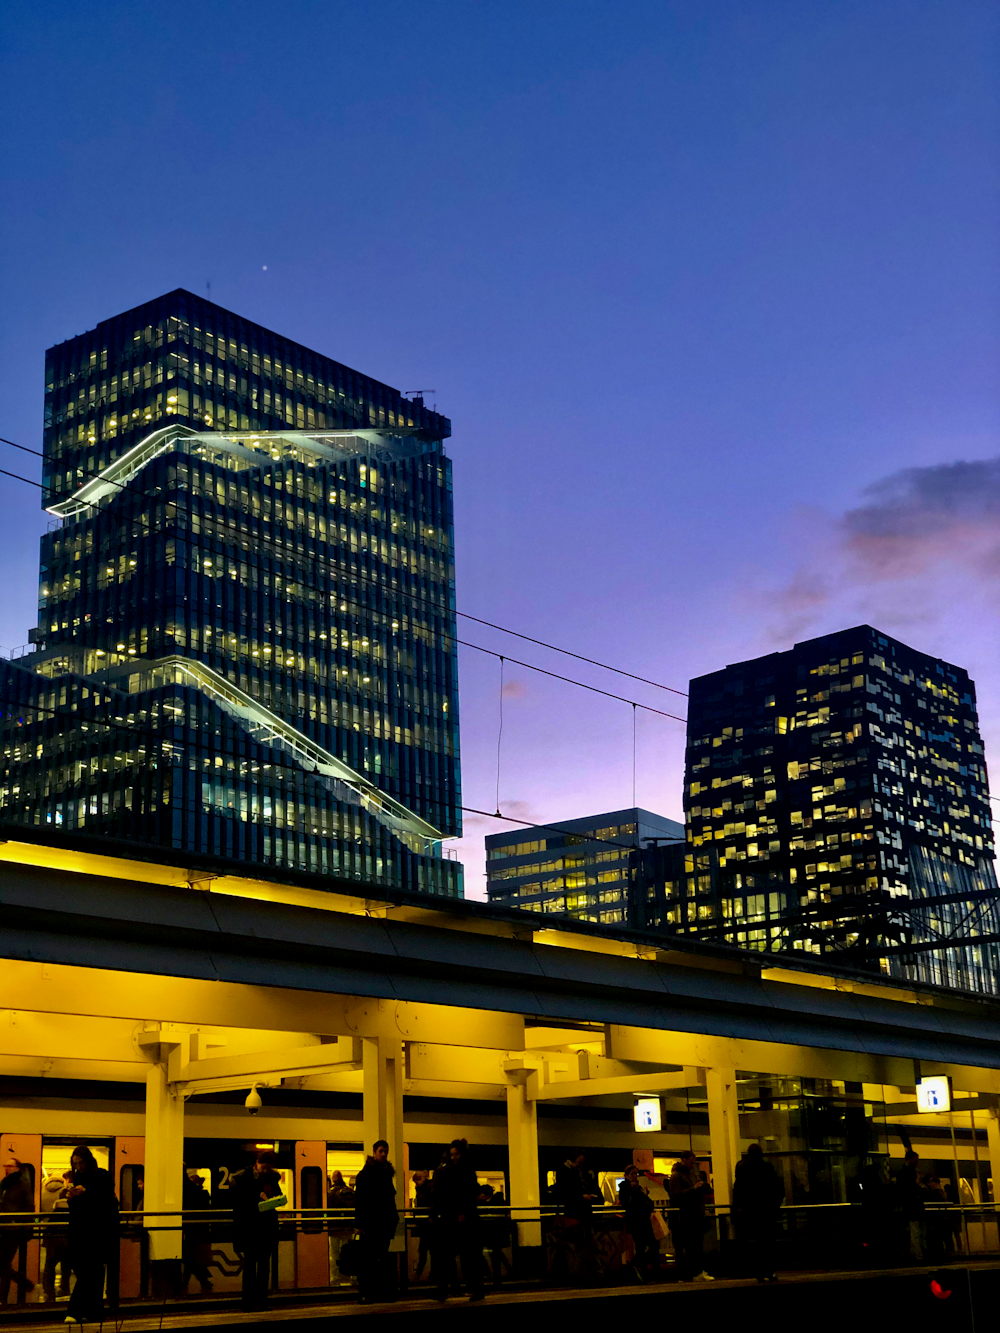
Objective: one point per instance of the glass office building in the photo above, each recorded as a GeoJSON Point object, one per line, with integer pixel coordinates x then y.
{"type": "Point", "coordinates": [246, 636]}
{"type": "Point", "coordinates": [584, 868]}
{"type": "Point", "coordinates": [837, 801]}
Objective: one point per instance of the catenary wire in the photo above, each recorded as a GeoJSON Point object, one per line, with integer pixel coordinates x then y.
{"type": "Point", "coordinates": [151, 734]}
{"type": "Point", "coordinates": [466, 615]}
{"type": "Point", "coordinates": [566, 652]}
{"type": "Point", "coordinates": [555, 676]}
{"type": "Point", "coordinates": [358, 574]}
{"type": "Point", "coordinates": [556, 828]}
{"type": "Point", "coordinates": [528, 666]}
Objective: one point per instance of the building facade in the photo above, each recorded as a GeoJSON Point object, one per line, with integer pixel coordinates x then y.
{"type": "Point", "coordinates": [246, 637]}
{"type": "Point", "coordinates": [582, 869]}
{"type": "Point", "coordinates": [837, 802]}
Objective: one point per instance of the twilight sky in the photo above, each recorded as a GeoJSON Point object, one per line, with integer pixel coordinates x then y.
{"type": "Point", "coordinates": [711, 292]}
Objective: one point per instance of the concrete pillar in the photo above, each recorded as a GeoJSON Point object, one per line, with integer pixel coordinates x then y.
{"type": "Point", "coordinates": [382, 1110]}
{"type": "Point", "coordinates": [373, 1093]}
{"type": "Point", "coordinates": [723, 1130]}
{"type": "Point", "coordinates": [522, 1146]}
{"type": "Point", "coordinates": [993, 1144]}
{"type": "Point", "coordinates": [164, 1164]}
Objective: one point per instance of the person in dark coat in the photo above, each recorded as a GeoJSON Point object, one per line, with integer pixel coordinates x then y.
{"type": "Point", "coordinates": [757, 1199]}
{"type": "Point", "coordinates": [875, 1193]}
{"type": "Point", "coordinates": [687, 1187]}
{"type": "Point", "coordinates": [376, 1218]}
{"type": "Point", "coordinates": [455, 1212]}
{"type": "Point", "coordinates": [639, 1210]}
{"type": "Point", "coordinates": [16, 1196]}
{"type": "Point", "coordinates": [910, 1200]}
{"type": "Point", "coordinates": [576, 1188]}
{"type": "Point", "coordinates": [196, 1245]}
{"type": "Point", "coordinates": [495, 1231]}
{"type": "Point", "coordinates": [255, 1231]}
{"type": "Point", "coordinates": [577, 1191]}
{"type": "Point", "coordinates": [340, 1194]}
{"type": "Point", "coordinates": [93, 1228]}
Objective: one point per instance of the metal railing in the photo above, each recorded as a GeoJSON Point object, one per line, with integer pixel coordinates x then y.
{"type": "Point", "coordinates": [595, 1248]}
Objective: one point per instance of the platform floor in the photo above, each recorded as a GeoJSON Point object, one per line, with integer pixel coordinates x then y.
{"type": "Point", "coordinates": [849, 1302]}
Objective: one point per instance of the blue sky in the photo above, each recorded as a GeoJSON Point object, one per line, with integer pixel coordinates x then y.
{"type": "Point", "coordinates": [688, 279]}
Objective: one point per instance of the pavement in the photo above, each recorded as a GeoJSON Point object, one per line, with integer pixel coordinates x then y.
{"type": "Point", "coordinates": [828, 1302]}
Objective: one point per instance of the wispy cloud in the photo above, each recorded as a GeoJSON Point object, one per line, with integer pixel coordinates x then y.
{"type": "Point", "coordinates": [922, 516]}
{"type": "Point", "coordinates": [514, 689]}
{"type": "Point", "coordinates": [887, 555]}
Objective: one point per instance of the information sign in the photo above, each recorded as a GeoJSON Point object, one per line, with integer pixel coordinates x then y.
{"type": "Point", "coordinates": [933, 1094]}
{"type": "Point", "coordinates": [647, 1114]}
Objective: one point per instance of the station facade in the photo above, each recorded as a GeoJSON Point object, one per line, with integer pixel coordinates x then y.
{"type": "Point", "coordinates": [142, 1001]}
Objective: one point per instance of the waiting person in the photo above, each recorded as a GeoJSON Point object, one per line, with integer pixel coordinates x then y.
{"type": "Point", "coordinates": [16, 1196]}
{"type": "Point", "coordinates": [376, 1217]}
{"type": "Point", "coordinates": [340, 1194]}
{"type": "Point", "coordinates": [875, 1192]}
{"type": "Point", "coordinates": [255, 1230]}
{"type": "Point", "coordinates": [423, 1192]}
{"type": "Point", "coordinates": [93, 1219]}
{"type": "Point", "coordinates": [196, 1247]}
{"type": "Point", "coordinates": [495, 1230]}
{"type": "Point", "coordinates": [910, 1201]}
{"type": "Point", "coordinates": [938, 1222]}
{"type": "Point", "coordinates": [687, 1187]}
{"type": "Point", "coordinates": [341, 1197]}
{"type": "Point", "coordinates": [577, 1192]}
{"type": "Point", "coordinates": [55, 1204]}
{"type": "Point", "coordinates": [456, 1223]}
{"type": "Point", "coordinates": [757, 1198]}
{"type": "Point", "coordinates": [639, 1209]}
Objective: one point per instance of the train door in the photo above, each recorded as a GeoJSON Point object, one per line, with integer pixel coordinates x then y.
{"type": "Point", "coordinates": [26, 1149]}
{"type": "Point", "coordinates": [312, 1245]}
{"type": "Point", "coordinates": [129, 1160]}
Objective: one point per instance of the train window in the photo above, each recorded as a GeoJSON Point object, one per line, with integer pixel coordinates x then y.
{"type": "Point", "coordinates": [312, 1187]}
{"type": "Point", "coordinates": [56, 1157]}
{"type": "Point", "coordinates": [130, 1180]}
{"type": "Point", "coordinates": [25, 1189]}
{"type": "Point", "coordinates": [311, 1193]}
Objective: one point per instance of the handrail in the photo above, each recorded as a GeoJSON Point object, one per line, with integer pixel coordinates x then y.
{"type": "Point", "coordinates": [61, 1218]}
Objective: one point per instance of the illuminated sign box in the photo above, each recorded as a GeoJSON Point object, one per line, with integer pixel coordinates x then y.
{"type": "Point", "coordinates": [933, 1094]}
{"type": "Point", "coordinates": [646, 1114]}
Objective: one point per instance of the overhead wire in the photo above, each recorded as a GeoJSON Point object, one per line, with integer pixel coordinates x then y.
{"type": "Point", "coordinates": [566, 652]}
{"type": "Point", "coordinates": [499, 735]}
{"type": "Point", "coordinates": [343, 575]}
{"type": "Point", "coordinates": [569, 680]}
{"type": "Point", "coordinates": [150, 733]}
{"type": "Point", "coordinates": [464, 643]}
{"type": "Point", "coordinates": [277, 544]}
{"type": "Point", "coordinates": [558, 828]}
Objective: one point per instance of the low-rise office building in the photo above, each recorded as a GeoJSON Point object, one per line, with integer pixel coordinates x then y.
{"type": "Point", "coordinates": [581, 868]}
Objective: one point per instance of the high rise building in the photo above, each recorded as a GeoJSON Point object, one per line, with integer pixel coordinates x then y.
{"type": "Point", "coordinates": [837, 802]}
{"type": "Point", "coordinates": [246, 636]}
{"type": "Point", "coordinates": [583, 868]}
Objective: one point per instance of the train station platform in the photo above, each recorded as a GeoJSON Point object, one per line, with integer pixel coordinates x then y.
{"type": "Point", "coordinates": [850, 1301]}
{"type": "Point", "coordinates": [177, 1023]}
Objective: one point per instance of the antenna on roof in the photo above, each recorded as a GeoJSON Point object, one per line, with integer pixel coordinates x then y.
{"type": "Point", "coordinates": [418, 396]}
